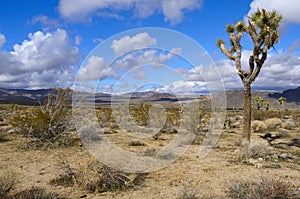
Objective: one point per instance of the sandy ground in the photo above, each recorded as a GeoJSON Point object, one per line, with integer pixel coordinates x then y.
{"type": "Point", "coordinates": [209, 176]}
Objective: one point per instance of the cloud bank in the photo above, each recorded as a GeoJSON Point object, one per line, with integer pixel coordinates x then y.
{"type": "Point", "coordinates": [173, 11]}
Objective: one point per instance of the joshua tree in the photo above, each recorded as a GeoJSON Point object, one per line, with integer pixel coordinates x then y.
{"type": "Point", "coordinates": [258, 101]}
{"type": "Point", "coordinates": [267, 105]}
{"type": "Point", "coordinates": [281, 100]}
{"type": "Point", "coordinates": [262, 28]}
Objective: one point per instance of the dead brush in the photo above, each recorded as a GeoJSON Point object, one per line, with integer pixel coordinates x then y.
{"type": "Point", "coordinates": [7, 183]}
{"type": "Point", "coordinates": [96, 177]}
{"type": "Point", "coordinates": [136, 143]}
{"type": "Point", "coordinates": [188, 193]}
{"type": "Point", "coordinates": [255, 149]}
{"type": "Point", "coordinates": [266, 187]}
{"type": "Point", "coordinates": [36, 193]}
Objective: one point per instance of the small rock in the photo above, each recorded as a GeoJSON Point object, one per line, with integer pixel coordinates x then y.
{"type": "Point", "coordinates": [275, 165]}
{"type": "Point", "coordinates": [260, 159]}
{"type": "Point", "coordinates": [258, 165]}
{"type": "Point", "coordinates": [283, 156]}
{"type": "Point", "coordinates": [274, 156]}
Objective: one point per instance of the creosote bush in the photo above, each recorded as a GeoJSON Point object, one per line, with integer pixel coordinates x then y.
{"type": "Point", "coordinates": [46, 123]}
{"type": "Point", "coordinates": [267, 187]}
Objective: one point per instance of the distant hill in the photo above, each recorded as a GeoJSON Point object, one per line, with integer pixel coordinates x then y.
{"type": "Point", "coordinates": [23, 96]}
{"type": "Point", "coordinates": [234, 97]}
{"type": "Point", "coordinates": [291, 95]}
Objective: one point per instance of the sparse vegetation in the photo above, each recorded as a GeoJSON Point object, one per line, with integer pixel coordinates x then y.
{"type": "Point", "coordinates": [274, 147]}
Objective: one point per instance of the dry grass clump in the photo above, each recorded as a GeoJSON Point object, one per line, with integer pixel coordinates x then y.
{"type": "Point", "coordinates": [255, 149]}
{"type": "Point", "coordinates": [7, 183]}
{"type": "Point", "coordinates": [136, 143]}
{"type": "Point", "coordinates": [36, 193]}
{"type": "Point", "coordinates": [188, 193]}
{"type": "Point", "coordinates": [100, 178]}
{"type": "Point", "coordinates": [267, 187]}
{"type": "Point", "coordinates": [258, 126]}
{"type": "Point", "coordinates": [273, 123]}
{"type": "Point", "coordinates": [95, 177]}
{"type": "Point", "coordinates": [66, 174]}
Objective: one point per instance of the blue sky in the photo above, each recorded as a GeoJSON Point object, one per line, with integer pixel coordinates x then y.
{"type": "Point", "coordinates": [49, 43]}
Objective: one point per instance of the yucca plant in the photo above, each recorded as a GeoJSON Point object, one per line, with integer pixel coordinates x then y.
{"type": "Point", "coordinates": [263, 30]}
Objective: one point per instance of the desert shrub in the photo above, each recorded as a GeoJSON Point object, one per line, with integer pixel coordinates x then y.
{"type": "Point", "coordinates": [289, 124]}
{"type": "Point", "coordinates": [255, 149]}
{"type": "Point", "coordinates": [266, 187]}
{"type": "Point", "coordinates": [266, 114]}
{"type": "Point", "coordinates": [100, 178]}
{"type": "Point", "coordinates": [258, 126]}
{"type": "Point", "coordinates": [36, 193]}
{"type": "Point", "coordinates": [187, 193]}
{"type": "Point", "coordinates": [273, 123]}
{"type": "Point", "coordinates": [48, 122]}
{"type": "Point", "coordinates": [7, 183]}
{"type": "Point", "coordinates": [140, 114]}
{"type": "Point", "coordinates": [104, 115]}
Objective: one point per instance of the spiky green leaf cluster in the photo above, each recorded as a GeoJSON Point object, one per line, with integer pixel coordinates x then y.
{"type": "Point", "coordinates": [230, 28]}
{"type": "Point", "coordinates": [240, 26]}
{"type": "Point", "coordinates": [220, 42]}
{"type": "Point", "coordinates": [264, 19]}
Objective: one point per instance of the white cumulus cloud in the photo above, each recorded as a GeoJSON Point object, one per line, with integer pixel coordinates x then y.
{"type": "Point", "coordinates": [127, 43]}
{"type": "Point", "coordinates": [44, 60]}
{"type": "Point", "coordinates": [172, 10]}
{"type": "Point", "coordinates": [95, 70]}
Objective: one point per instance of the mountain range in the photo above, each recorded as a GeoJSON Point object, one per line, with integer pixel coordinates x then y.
{"type": "Point", "coordinates": [234, 97]}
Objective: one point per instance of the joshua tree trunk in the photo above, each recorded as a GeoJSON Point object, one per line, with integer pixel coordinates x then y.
{"type": "Point", "coordinates": [247, 112]}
